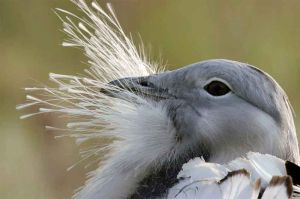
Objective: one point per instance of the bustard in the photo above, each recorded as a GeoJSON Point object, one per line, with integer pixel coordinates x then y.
{"type": "Point", "coordinates": [156, 120]}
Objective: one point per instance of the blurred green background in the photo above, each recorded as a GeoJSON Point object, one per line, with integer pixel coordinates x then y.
{"type": "Point", "coordinates": [33, 164]}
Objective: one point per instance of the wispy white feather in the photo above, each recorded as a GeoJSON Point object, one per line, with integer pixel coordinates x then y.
{"type": "Point", "coordinates": [93, 114]}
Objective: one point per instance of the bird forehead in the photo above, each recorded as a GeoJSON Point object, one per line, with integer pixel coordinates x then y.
{"type": "Point", "coordinates": [237, 74]}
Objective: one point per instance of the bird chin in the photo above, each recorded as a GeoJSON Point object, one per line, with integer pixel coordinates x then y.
{"type": "Point", "coordinates": [162, 175]}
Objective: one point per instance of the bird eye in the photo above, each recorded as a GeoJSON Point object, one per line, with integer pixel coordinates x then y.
{"type": "Point", "coordinates": [217, 88]}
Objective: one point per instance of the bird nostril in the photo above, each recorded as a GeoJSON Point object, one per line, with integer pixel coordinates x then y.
{"type": "Point", "coordinates": [145, 83]}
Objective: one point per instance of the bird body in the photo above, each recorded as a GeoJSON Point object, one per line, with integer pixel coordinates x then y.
{"type": "Point", "coordinates": [155, 121]}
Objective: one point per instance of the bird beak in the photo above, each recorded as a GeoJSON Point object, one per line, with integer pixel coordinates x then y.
{"type": "Point", "coordinates": [141, 86]}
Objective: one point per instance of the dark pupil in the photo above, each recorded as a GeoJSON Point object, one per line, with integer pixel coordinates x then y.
{"type": "Point", "coordinates": [217, 88]}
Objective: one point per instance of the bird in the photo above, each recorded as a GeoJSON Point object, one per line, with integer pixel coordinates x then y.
{"type": "Point", "coordinates": [163, 128]}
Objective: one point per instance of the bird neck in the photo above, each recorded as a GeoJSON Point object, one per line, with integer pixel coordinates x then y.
{"type": "Point", "coordinates": [157, 182]}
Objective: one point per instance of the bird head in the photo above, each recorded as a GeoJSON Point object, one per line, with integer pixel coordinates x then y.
{"type": "Point", "coordinates": [222, 108]}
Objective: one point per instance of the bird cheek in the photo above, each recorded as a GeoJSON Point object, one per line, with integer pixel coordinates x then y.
{"type": "Point", "coordinates": [190, 122]}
